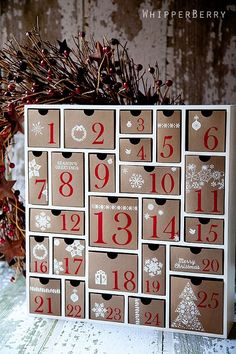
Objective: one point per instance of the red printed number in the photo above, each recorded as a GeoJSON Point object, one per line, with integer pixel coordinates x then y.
{"type": "Point", "coordinates": [39, 300]}
{"type": "Point", "coordinates": [51, 133]}
{"type": "Point", "coordinates": [210, 266]}
{"type": "Point", "coordinates": [113, 314]}
{"type": "Point", "coordinates": [74, 218]}
{"type": "Point", "coordinates": [79, 261]}
{"type": "Point", "coordinates": [199, 201]}
{"type": "Point", "coordinates": [102, 174]}
{"type": "Point", "coordinates": [167, 177]}
{"type": "Point", "coordinates": [213, 303]}
{"type": "Point", "coordinates": [212, 234]}
{"type": "Point", "coordinates": [73, 311]}
{"type": "Point", "coordinates": [128, 280]}
{"type": "Point", "coordinates": [151, 319]}
{"type": "Point", "coordinates": [140, 126]}
{"type": "Point", "coordinates": [121, 217]}
{"type": "Point", "coordinates": [167, 147]}
{"type": "Point", "coordinates": [43, 186]}
{"type": "Point", "coordinates": [98, 128]}
{"type": "Point", "coordinates": [210, 140]}
{"type": "Point", "coordinates": [141, 154]}
{"type": "Point", "coordinates": [170, 229]}
{"type": "Point", "coordinates": [152, 286]}
{"type": "Point", "coordinates": [40, 267]}
{"type": "Point", "coordinates": [66, 189]}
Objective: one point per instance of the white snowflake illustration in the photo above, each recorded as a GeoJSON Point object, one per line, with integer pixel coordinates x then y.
{"type": "Point", "coordinates": [43, 221]}
{"type": "Point", "coordinates": [75, 248]}
{"type": "Point", "coordinates": [110, 161]}
{"type": "Point", "coordinates": [150, 206]}
{"type": "Point", "coordinates": [57, 266]}
{"type": "Point", "coordinates": [129, 124]}
{"type": "Point", "coordinates": [146, 216]}
{"type": "Point", "coordinates": [37, 128]}
{"type": "Point", "coordinates": [196, 179]}
{"type": "Point", "coordinates": [34, 169]}
{"type": "Point", "coordinates": [124, 170]}
{"type": "Point", "coordinates": [128, 151]}
{"type": "Point", "coordinates": [136, 180]}
{"type": "Point", "coordinates": [153, 267]}
{"type": "Point", "coordinates": [99, 309]}
{"type": "Point", "coordinates": [160, 212]}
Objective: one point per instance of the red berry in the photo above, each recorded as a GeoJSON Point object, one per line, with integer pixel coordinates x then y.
{"type": "Point", "coordinates": [11, 233]}
{"type": "Point", "coordinates": [169, 83]}
{"type": "Point", "coordinates": [5, 208]}
{"type": "Point", "coordinates": [159, 82]}
{"type": "Point", "coordinates": [106, 49]}
{"type": "Point", "coordinates": [78, 90]}
{"type": "Point", "coordinates": [49, 72]}
{"type": "Point", "coordinates": [3, 226]}
{"type": "Point", "coordinates": [12, 165]}
{"type": "Point", "coordinates": [43, 63]}
{"type": "Point", "coordinates": [2, 168]}
{"type": "Point", "coordinates": [126, 85]}
{"type": "Point", "coordinates": [66, 53]}
{"type": "Point", "coordinates": [11, 226]}
{"type": "Point", "coordinates": [49, 78]}
{"type": "Point", "coordinates": [2, 241]}
{"type": "Point", "coordinates": [11, 87]}
{"type": "Point", "coordinates": [44, 51]}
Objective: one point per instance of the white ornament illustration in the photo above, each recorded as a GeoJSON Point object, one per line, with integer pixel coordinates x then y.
{"type": "Point", "coordinates": [75, 249]}
{"type": "Point", "coordinates": [153, 267]}
{"type": "Point", "coordinates": [136, 181]}
{"type": "Point", "coordinates": [150, 206]}
{"type": "Point", "coordinates": [57, 266]}
{"type": "Point", "coordinates": [146, 216]}
{"type": "Point", "coordinates": [33, 169]}
{"type": "Point", "coordinates": [79, 133]}
{"type": "Point", "coordinates": [197, 179]}
{"type": "Point", "coordinates": [173, 169]}
{"type": "Point", "coordinates": [160, 212]}
{"type": "Point", "coordinates": [74, 296]}
{"type": "Point", "coordinates": [192, 231]}
{"type": "Point", "coordinates": [40, 252]}
{"type": "Point", "coordinates": [129, 124]}
{"type": "Point", "coordinates": [188, 312]}
{"type": "Point", "coordinates": [99, 309]}
{"type": "Point", "coordinates": [128, 151]}
{"type": "Point", "coordinates": [196, 125]}
{"type": "Point", "coordinates": [37, 128]}
{"type": "Point", "coordinates": [100, 277]}
{"type": "Point", "coordinates": [43, 221]}
{"type": "Point", "coordinates": [110, 161]}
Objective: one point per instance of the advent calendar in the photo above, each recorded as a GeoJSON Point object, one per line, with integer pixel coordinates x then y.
{"type": "Point", "coordinates": [131, 215]}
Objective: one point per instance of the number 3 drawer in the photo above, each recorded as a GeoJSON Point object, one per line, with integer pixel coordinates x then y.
{"type": "Point", "coordinates": [130, 215]}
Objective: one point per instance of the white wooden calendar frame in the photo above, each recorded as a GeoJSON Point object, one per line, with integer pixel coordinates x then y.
{"type": "Point", "coordinates": [229, 216]}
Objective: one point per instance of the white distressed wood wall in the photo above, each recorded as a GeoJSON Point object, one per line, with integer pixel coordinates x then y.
{"type": "Point", "coordinates": [198, 54]}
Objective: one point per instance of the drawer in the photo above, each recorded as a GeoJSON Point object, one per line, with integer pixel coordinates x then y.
{"type": "Point", "coordinates": [74, 298]}
{"type": "Point", "coordinates": [90, 129]}
{"type": "Point", "coordinates": [68, 257]}
{"type": "Point", "coordinates": [102, 170]}
{"type": "Point", "coordinates": [197, 260]}
{"type": "Point", "coordinates": [168, 136]}
{"type": "Point", "coordinates": [153, 269]}
{"type": "Point", "coordinates": [136, 122]}
{"type": "Point", "coordinates": [57, 221]}
{"type": "Point", "coordinates": [150, 180]}
{"type": "Point", "coordinates": [147, 311]}
{"type": "Point", "coordinates": [68, 179]}
{"type": "Point", "coordinates": [206, 130]}
{"type": "Point", "coordinates": [38, 177]}
{"type": "Point", "coordinates": [44, 128]}
{"type": "Point", "coordinates": [205, 183]}
{"type": "Point", "coordinates": [204, 230]}
{"type": "Point", "coordinates": [161, 219]}
{"type": "Point", "coordinates": [113, 222]}
{"type": "Point", "coordinates": [39, 254]}
{"type": "Point", "coordinates": [197, 304]}
{"type": "Point", "coordinates": [113, 271]}
{"type": "Point", "coordinates": [45, 296]}
{"type": "Point", "coordinates": [135, 149]}
{"type": "Point", "coordinates": [106, 307]}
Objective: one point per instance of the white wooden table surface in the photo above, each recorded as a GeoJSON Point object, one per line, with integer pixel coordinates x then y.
{"type": "Point", "coordinates": [21, 334]}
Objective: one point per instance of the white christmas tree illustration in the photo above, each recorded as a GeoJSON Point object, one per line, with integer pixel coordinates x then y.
{"type": "Point", "coordinates": [188, 312]}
